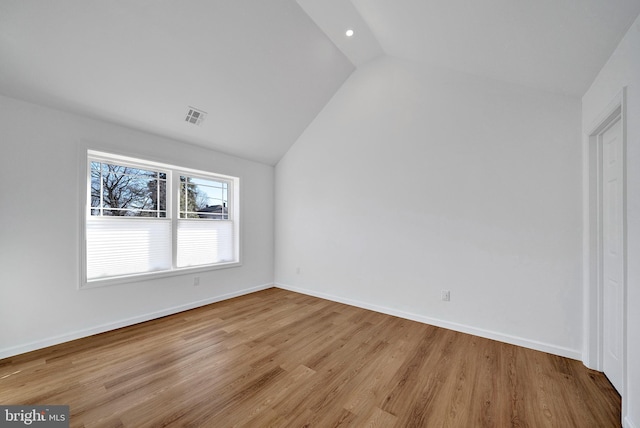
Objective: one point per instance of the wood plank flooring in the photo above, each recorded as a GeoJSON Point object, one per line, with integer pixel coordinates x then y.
{"type": "Point", "coordinates": [281, 359]}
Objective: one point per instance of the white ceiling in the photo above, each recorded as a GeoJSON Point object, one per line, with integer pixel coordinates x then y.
{"type": "Point", "coordinates": [262, 69]}
{"type": "Point", "coordinates": [554, 45]}
{"type": "Point", "coordinates": [335, 17]}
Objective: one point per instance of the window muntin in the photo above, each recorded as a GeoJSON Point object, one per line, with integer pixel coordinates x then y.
{"type": "Point", "coordinates": [147, 218]}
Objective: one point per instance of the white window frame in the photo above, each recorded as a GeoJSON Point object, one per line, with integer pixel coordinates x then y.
{"type": "Point", "coordinates": [172, 205]}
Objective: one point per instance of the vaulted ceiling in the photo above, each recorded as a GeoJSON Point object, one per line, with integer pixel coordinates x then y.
{"type": "Point", "coordinates": [263, 69]}
{"type": "Point", "coordinates": [552, 45]}
{"type": "Point", "coordinates": [260, 69]}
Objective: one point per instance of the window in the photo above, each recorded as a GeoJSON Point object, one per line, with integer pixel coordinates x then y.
{"type": "Point", "coordinates": [149, 218]}
{"type": "Point", "coordinates": [204, 227]}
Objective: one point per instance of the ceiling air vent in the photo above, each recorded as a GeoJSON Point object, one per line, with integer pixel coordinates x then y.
{"type": "Point", "coordinates": [195, 116]}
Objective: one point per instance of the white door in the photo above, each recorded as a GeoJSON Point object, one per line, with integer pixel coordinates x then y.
{"type": "Point", "coordinates": [612, 252]}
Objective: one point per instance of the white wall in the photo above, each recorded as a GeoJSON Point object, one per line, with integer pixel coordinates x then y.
{"type": "Point", "coordinates": [415, 179]}
{"type": "Point", "coordinates": [40, 156]}
{"type": "Point", "coordinates": [623, 69]}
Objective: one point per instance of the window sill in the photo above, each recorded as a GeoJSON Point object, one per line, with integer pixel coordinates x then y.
{"type": "Point", "coordinates": [95, 283]}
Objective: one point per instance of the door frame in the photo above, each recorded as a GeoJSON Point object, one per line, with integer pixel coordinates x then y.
{"type": "Point", "coordinates": [593, 261]}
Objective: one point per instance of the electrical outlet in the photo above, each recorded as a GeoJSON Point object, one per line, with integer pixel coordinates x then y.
{"type": "Point", "coordinates": [196, 280]}
{"type": "Point", "coordinates": [446, 295]}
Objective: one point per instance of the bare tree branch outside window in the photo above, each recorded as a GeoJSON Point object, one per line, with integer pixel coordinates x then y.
{"type": "Point", "coordinates": [118, 190]}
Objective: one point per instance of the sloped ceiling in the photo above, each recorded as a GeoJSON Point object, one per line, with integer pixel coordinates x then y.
{"type": "Point", "coordinates": [552, 45]}
{"type": "Point", "coordinates": [261, 70]}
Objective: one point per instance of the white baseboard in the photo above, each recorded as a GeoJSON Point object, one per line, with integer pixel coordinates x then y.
{"type": "Point", "coordinates": [514, 340]}
{"type": "Point", "coordinates": [627, 423]}
{"type": "Point", "coordinates": [56, 340]}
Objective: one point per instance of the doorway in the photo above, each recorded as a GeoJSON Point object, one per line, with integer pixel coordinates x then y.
{"type": "Point", "coordinates": [612, 239]}
{"type": "Point", "coordinates": [605, 293]}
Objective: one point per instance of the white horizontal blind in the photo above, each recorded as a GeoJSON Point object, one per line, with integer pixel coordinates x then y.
{"type": "Point", "coordinates": [203, 242]}
{"type": "Point", "coordinates": [125, 246]}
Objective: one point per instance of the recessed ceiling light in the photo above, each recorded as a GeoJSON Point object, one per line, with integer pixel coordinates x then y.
{"type": "Point", "coordinates": [349, 32]}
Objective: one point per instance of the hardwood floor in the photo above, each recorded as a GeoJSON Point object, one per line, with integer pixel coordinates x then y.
{"type": "Point", "coordinates": [277, 358]}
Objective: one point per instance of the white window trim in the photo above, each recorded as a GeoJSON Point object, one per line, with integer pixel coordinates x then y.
{"type": "Point", "coordinates": [173, 176]}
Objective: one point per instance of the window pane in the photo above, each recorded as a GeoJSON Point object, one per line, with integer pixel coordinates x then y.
{"type": "Point", "coordinates": [203, 198]}
{"type": "Point", "coordinates": [95, 188]}
{"type": "Point", "coordinates": [127, 191]}
{"type": "Point", "coordinates": [162, 203]}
